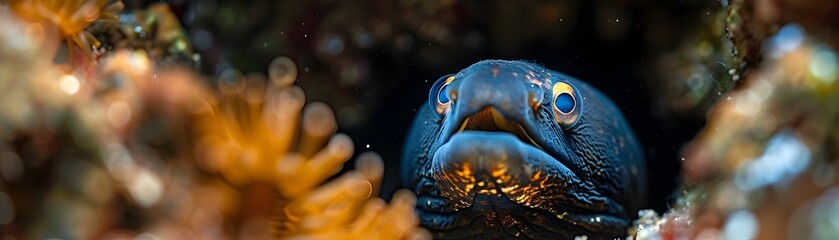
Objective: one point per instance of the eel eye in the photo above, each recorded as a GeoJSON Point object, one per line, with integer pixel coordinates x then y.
{"type": "Point", "coordinates": [565, 104]}
{"type": "Point", "coordinates": [441, 97]}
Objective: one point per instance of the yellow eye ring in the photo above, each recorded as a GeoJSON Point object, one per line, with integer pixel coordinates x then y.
{"type": "Point", "coordinates": [565, 104]}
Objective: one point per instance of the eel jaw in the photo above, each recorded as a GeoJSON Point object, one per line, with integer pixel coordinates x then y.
{"type": "Point", "coordinates": [492, 166]}
{"type": "Point", "coordinates": [491, 155]}
{"type": "Point", "coordinates": [490, 163]}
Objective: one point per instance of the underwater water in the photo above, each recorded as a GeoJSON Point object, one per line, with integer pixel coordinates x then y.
{"type": "Point", "coordinates": [220, 119]}
{"type": "Point", "coordinates": [608, 45]}
{"type": "Point", "coordinates": [375, 60]}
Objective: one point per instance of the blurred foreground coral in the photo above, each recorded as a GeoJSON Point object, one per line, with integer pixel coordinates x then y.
{"type": "Point", "coordinates": [124, 143]}
{"type": "Point", "coordinates": [764, 166]}
{"type": "Point", "coordinates": [260, 131]}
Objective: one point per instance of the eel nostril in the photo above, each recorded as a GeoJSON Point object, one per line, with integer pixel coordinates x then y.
{"type": "Point", "coordinates": [535, 96]}
{"type": "Point", "coordinates": [534, 100]}
{"type": "Point", "coordinates": [447, 95]}
{"type": "Point", "coordinates": [452, 95]}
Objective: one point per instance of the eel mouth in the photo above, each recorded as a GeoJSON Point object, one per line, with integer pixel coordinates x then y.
{"type": "Point", "coordinates": [492, 155]}
{"type": "Point", "coordinates": [491, 167]}
{"type": "Point", "coordinates": [491, 120]}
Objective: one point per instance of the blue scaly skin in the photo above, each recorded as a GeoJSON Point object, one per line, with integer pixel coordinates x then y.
{"type": "Point", "coordinates": [509, 149]}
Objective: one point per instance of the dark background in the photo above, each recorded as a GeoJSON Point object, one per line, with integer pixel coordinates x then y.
{"type": "Point", "coordinates": [374, 61]}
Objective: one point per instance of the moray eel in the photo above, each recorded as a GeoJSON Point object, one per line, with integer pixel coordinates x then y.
{"type": "Point", "coordinates": [509, 149]}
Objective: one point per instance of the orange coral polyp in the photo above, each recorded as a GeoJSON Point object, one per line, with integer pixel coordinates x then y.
{"type": "Point", "coordinates": [260, 131]}
{"type": "Point", "coordinates": [70, 17]}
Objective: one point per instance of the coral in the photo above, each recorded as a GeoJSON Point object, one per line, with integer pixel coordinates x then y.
{"type": "Point", "coordinates": [693, 76]}
{"type": "Point", "coordinates": [770, 142]}
{"type": "Point", "coordinates": [254, 123]}
{"type": "Point", "coordinates": [260, 131]}
{"type": "Point", "coordinates": [70, 17]}
{"type": "Point", "coordinates": [155, 30]}
{"type": "Point", "coordinates": [132, 149]}
{"type": "Point", "coordinates": [342, 209]}
{"type": "Point", "coordinates": [25, 67]}
{"type": "Point", "coordinates": [764, 165]}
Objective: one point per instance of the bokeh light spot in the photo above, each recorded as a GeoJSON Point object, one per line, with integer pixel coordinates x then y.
{"type": "Point", "coordinates": [69, 84]}
{"type": "Point", "coordinates": [146, 188]}
{"type": "Point", "coordinates": [824, 65]}
{"type": "Point", "coordinates": [740, 225]}
{"type": "Point", "coordinates": [785, 156]}
{"type": "Point", "coordinates": [119, 113]}
{"type": "Point", "coordinates": [788, 38]}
